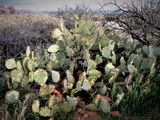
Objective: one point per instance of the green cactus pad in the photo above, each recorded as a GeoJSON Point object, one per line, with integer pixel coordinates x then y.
{"type": "Point", "coordinates": [122, 61]}
{"type": "Point", "coordinates": [28, 51]}
{"type": "Point", "coordinates": [53, 57]}
{"type": "Point", "coordinates": [11, 84]}
{"type": "Point", "coordinates": [70, 77]}
{"type": "Point", "coordinates": [12, 96]}
{"type": "Point", "coordinates": [16, 75]}
{"type": "Point", "coordinates": [19, 65]}
{"type": "Point", "coordinates": [106, 52]}
{"type": "Point", "coordinates": [73, 101]}
{"type": "Point", "coordinates": [114, 75]}
{"type": "Point", "coordinates": [69, 85]}
{"type": "Point", "coordinates": [109, 66]}
{"type": "Point", "coordinates": [93, 75]}
{"type": "Point", "coordinates": [69, 51]}
{"type": "Point", "coordinates": [86, 85]}
{"type": "Point", "coordinates": [53, 48]}
{"type": "Point", "coordinates": [111, 46]}
{"type": "Point", "coordinates": [131, 58]}
{"type": "Point", "coordinates": [46, 90]}
{"type": "Point", "coordinates": [103, 90]}
{"type": "Point", "coordinates": [92, 107]}
{"type": "Point", "coordinates": [145, 49]}
{"type": "Point", "coordinates": [61, 58]}
{"type": "Point", "coordinates": [10, 63]}
{"type": "Point", "coordinates": [45, 112]}
{"type": "Point", "coordinates": [65, 107]}
{"type": "Point", "coordinates": [98, 59]}
{"type": "Point", "coordinates": [97, 99]}
{"type": "Point", "coordinates": [131, 68]}
{"type": "Point", "coordinates": [53, 64]}
{"type": "Point", "coordinates": [78, 86]}
{"type": "Point", "coordinates": [113, 57]}
{"type": "Point", "coordinates": [52, 101]}
{"type": "Point", "coordinates": [40, 76]}
{"type": "Point", "coordinates": [30, 65]}
{"type": "Point", "coordinates": [31, 76]}
{"type": "Point", "coordinates": [24, 81]}
{"type": "Point", "coordinates": [119, 98]}
{"type": "Point", "coordinates": [104, 105]}
{"type": "Point", "coordinates": [55, 76]}
{"type": "Point", "coordinates": [24, 64]}
{"type": "Point", "coordinates": [94, 72]}
{"type": "Point", "coordinates": [91, 64]}
{"type": "Point", "coordinates": [144, 64]}
{"type": "Point", "coordinates": [56, 33]}
{"type": "Point", "coordinates": [35, 106]}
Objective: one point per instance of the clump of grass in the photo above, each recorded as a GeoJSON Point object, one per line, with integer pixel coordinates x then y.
{"type": "Point", "coordinates": [17, 111]}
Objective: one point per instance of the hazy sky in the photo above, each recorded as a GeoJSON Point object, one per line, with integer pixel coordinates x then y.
{"type": "Point", "coordinates": [54, 4]}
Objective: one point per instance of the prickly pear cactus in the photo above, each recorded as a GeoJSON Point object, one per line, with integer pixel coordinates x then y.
{"type": "Point", "coordinates": [104, 105]}
{"type": "Point", "coordinates": [35, 106]}
{"type": "Point", "coordinates": [24, 81]}
{"type": "Point", "coordinates": [55, 76]}
{"type": "Point", "coordinates": [40, 76]}
{"type": "Point", "coordinates": [19, 65]}
{"type": "Point", "coordinates": [53, 49]}
{"type": "Point", "coordinates": [92, 107]}
{"type": "Point", "coordinates": [65, 107]}
{"type": "Point", "coordinates": [28, 51]}
{"type": "Point", "coordinates": [31, 65]}
{"type": "Point", "coordinates": [86, 85]}
{"type": "Point", "coordinates": [10, 63]}
{"type": "Point", "coordinates": [46, 90]}
{"type": "Point", "coordinates": [72, 101]}
{"type": "Point", "coordinates": [87, 59]}
{"type": "Point", "coordinates": [12, 96]}
{"type": "Point", "coordinates": [52, 101]}
{"type": "Point", "coordinates": [16, 75]}
{"type": "Point", "coordinates": [57, 33]}
{"type": "Point", "coordinates": [45, 112]}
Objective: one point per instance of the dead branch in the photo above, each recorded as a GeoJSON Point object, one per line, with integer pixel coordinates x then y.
{"type": "Point", "coordinates": [143, 18]}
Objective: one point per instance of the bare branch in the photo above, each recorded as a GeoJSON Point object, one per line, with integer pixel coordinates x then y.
{"type": "Point", "coordinates": [145, 17]}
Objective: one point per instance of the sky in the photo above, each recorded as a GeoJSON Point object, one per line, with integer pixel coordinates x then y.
{"type": "Point", "coordinates": [47, 5]}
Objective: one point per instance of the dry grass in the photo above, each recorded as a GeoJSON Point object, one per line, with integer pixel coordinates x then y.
{"type": "Point", "coordinates": [18, 31]}
{"type": "Point", "coordinates": [17, 111]}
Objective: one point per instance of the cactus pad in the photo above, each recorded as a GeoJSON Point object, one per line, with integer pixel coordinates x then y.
{"type": "Point", "coordinates": [10, 63]}
{"type": "Point", "coordinates": [55, 76]}
{"type": "Point", "coordinates": [12, 96]}
{"type": "Point", "coordinates": [40, 76]}
{"type": "Point", "coordinates": [16, 75]}
{"type": "Point", "coordinates": [53, 48]}
{"type": "Point", "coordinates": [35, 106]}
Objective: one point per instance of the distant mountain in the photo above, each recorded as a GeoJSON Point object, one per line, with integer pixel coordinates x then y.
{"type": "Point", "coordinates": [25, 11]}
{"type": "Point", "coordinates": [7, 10]}
{"type": "Point", "coordinates": [33, 12]}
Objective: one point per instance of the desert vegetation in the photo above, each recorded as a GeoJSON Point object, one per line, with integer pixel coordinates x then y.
{"type": "Point", "coordinates": [81, 65]}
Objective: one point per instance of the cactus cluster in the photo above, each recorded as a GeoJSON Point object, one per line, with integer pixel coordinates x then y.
{"type": "Point", "coordinates": [82, 59]}
{"type": "Point", "coordinates": [27, 71]}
